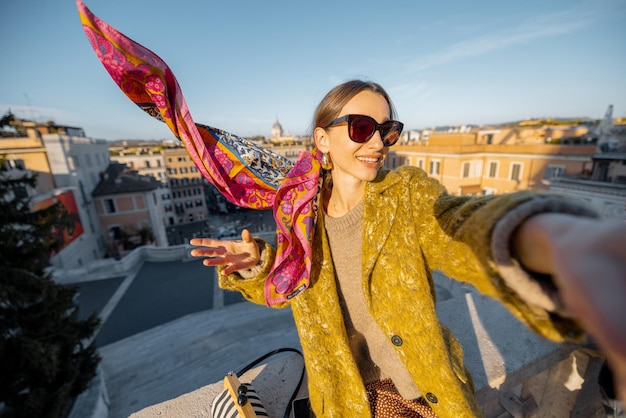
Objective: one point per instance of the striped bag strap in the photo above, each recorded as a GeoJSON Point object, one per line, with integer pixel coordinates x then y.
{"type": "Point", "coordinates": [229, 403]}
{"type": "Point", "coordinates": [241, 399]}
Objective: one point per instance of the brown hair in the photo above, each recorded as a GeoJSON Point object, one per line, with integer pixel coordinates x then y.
{"type": "Point", "coordinates": [330, 106]}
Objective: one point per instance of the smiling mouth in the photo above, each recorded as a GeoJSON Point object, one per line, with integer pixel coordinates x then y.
{"type": "Point", "coordinates": [370, 160]}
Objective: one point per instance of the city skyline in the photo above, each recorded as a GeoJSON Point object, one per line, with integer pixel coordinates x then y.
{"type": "Point", "coordinates": [241, 66]}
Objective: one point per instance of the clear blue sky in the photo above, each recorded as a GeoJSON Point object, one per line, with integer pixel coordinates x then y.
{"type": "Point", "coordinates": [241, 64]}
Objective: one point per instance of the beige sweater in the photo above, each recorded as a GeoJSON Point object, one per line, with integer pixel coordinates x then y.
{"type": "Point", "coordinates": [374, 354]}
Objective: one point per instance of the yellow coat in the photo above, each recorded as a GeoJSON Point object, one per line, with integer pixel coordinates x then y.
{"type": "Point", "coordinates": [411, 227]}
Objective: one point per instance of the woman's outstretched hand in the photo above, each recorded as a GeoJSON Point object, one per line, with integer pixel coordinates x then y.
{"type": "Point", "coordinates": [587, 260]}
{"type": "Point", "coordinates": [235, 254]}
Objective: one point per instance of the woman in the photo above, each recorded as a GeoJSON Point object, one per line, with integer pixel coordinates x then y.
{"type": "Point", "coordinates": [367, 322]}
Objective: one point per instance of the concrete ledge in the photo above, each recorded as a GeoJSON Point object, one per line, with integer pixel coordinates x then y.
{"type": "Point", "coordinates": [109, 267]}
{"type": "Point", "coordinates": [285, 371]}
{"type": "Point", "coordinates": [94, 401]}
{"type": "Point", "coordinates": [499, 351]}
{"type": "Point", "coordinates": [176, 369]}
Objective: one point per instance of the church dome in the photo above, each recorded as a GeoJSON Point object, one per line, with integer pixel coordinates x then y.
{"type": "Point", "coordinates": [277, 129]}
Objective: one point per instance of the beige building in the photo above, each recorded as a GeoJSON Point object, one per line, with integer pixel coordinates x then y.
{"type": "Point", "coordinates": [147, 162]}
{"type": "Point", "coordinates": [29, 151]}
{"type": "Point", "coordinates": [187, 187]}
{"type": "Point", "coordinates": [482, 162]}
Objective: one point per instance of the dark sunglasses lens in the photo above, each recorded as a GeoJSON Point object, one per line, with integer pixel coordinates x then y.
{"type": "Point", "coordinates": [391, 132]}
{"type": "Point", "coordinates": [361, 129]}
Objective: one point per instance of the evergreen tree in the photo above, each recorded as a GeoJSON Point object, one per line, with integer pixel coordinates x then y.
{"type": "Point", "coordinates": [44, 361]}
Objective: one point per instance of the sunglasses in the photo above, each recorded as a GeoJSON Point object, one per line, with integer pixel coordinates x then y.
{"type": "Point", "coordinates": [361, 128]}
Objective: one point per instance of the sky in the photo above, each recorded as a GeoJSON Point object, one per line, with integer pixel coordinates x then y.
{"type": "Point", "coordinates": [244, 64]}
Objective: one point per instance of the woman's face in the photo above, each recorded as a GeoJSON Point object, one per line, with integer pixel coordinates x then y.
{"type": "Point", "coordinates": [354, 162]}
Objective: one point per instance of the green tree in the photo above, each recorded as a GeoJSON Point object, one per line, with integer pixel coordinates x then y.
{"type": "Point", "coordinates": [45, 360]}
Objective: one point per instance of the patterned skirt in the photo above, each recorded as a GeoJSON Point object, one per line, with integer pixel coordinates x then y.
{"type": "Point", "coordinates": [386, 402]}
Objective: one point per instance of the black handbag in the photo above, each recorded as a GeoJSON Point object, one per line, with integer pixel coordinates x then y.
{"type": "Point", "coordinates": [241, 399]}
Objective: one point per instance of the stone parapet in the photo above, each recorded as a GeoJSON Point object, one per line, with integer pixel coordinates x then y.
{"type": "Point", "coordinates": [500, 353]}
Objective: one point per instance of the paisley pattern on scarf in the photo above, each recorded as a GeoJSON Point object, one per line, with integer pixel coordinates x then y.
{"type": "Point", "coordinates": [246, 174]}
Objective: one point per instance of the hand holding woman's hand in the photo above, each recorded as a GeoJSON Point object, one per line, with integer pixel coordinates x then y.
{"type": "Point", "coordinates": [235, 254]}
{"type": "Point", "coordinates": [587, 260]}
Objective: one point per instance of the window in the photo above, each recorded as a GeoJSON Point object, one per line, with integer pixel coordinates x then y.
{"type": "Point", "coordinates": [147, 164]}
{"type": "Point", "coordinates": [109, 206]}
{"type": "Point", "coordinates": [434, 167]}
{"type": "Point", "coordinates": [466, 169]}
{"type": "Point", "coordinates": [420, 163]}
{"type": "Point", "coordinates": [472, 169]}
{"type": "Point", "coordinates": [115, 232]}
{"type": "Point", "coordinates": [516, 172]}
{"type": "Point", "coordinates": [15, 164]}
{"type": "Point", "coordinates": [183, 170]}
{"type": "Point", "coordinates": [493, 169]}
{"type": "Point", "coordinates": [554, 171]}
{"type": "Point", "coordinates": [488, 191]}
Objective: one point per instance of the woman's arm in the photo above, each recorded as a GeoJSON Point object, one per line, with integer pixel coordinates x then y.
{"type": "Point", "coordinates": [587, 261]}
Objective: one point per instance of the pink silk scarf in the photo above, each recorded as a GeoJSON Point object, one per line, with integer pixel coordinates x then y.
{"type": "Point", "coordinates": [246, 174]}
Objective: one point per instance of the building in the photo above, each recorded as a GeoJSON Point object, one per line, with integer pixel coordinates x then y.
{"type": "Point", "coordinates": [129, 208]}
{"type": "Point", "coordinates": [150, 164]}
{"type": "Point", "coordinates": [491, 161]}
{"type": "Point", "coordinates": [186, 185]}
{"type": "Point", "coordinates": [604, 186]}
{"type": "Point", "coordinates": [291, 150]}
{"type": "Point", "coordinates": [285, 144]}
{"type": "Point", "coordinates": [66, 162]}
{"type": "Point", "coordinates": [146, 160]}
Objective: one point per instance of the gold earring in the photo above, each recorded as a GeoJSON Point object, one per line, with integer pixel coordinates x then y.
{"type": "Point", "coordinates": [327, 164]}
